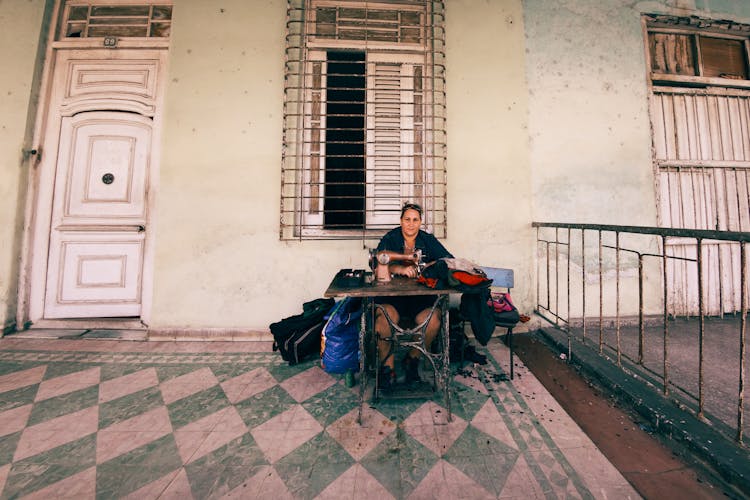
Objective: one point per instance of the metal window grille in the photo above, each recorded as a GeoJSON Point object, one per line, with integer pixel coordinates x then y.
{"type": "Point", "coordinates": [364, 117]}
{"type": "Point", "coordinates": [82, 19]}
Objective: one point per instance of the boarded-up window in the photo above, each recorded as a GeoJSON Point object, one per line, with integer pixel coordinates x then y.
{"type": "Point", "coordinates": [696, 49]}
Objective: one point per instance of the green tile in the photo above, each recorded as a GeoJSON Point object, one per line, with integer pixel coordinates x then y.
{"type": "Point", "coordinates": [8, 367]}
{"type": "Point", "coordinates": [397, 410]}
{"type": "Point", "coordinates": [284, 371]}
{"type": "Point", "coordinates": [129, 406]}
{"type": "Point", "coordinates": [483, 458]}
{"type": "Point", "coordinates": [399, 463]}
{"type": "Point", "coordinates": [55, 370]}
{"type": "Point", "coordinates": [309, 469]}
{"type": "Point", "coordinates": [64, 404]}
{"type": "Point", "coordinates": [169, 372]}
{"type": "Point", "coordinates": [225, 468]}
{"type": "Point", "coordinates": [114, 370]}
{"type": "Point", "coordinates": [331, 404]}
{"type": "Point", "coordinates": [227, 371]}
{"type": "Point", "coordinates": [135, 469]}
{"type": "Point", "coordinates": [8, 446]}
{"type": "Point", "coordinates": [265, 405]}
{"type": "Point", "coordinates": [49, 467]}
{"type": "Point", "coordinates": [197, 406]}
{"type": "Point", "coordinates": [466, 402]}
{"type": "Point", "coordinates": [18, 397]}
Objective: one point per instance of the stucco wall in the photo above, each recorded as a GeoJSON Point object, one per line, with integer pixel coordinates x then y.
{"type": "Point", "coordinates": [19, 41]}
{"type": "Point", "coordinates": [219, 261]}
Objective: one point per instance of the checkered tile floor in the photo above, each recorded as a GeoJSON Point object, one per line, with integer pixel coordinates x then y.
{"type": "Point", "coordinates": [144, 421]}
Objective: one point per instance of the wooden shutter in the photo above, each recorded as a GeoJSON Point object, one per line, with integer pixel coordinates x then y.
{"type": "Point", "coordinates": [391, 137]}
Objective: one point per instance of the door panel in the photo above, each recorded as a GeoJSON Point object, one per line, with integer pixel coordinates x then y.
{"type": "Point", "coordinates": [96, 275]}
{"type": "Point", "coordinates": [99, 216]}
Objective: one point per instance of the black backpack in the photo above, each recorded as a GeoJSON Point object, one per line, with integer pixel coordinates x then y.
{"type": "Point", "coordinates": [298, 337]}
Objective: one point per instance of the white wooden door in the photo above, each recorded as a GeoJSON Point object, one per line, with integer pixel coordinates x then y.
{"type": "Point", "coordinates": [103, 110]}
{"type": "Point", "coordinates": [99, 216]}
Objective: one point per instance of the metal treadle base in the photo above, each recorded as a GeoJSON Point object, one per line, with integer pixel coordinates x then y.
{"type": "Point", "coordinates": [413, 390]}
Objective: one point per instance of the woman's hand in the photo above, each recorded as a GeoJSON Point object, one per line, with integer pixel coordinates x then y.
{"type": "Point", "coordinates": [408, 271]}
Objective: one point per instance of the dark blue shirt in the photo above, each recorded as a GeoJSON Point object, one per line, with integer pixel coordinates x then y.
{"type": "Point", "coordinates": [432, 249]}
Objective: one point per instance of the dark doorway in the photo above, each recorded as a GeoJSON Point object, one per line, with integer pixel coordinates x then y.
{"type": "Point", "coordinates": [345, 141]}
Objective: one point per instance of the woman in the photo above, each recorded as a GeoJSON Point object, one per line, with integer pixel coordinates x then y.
{"type": "Point", "coordinates": [406, 239]}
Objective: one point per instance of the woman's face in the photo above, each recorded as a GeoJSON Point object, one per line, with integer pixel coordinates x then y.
{"type": "Point", "coordinates": [410, 222]}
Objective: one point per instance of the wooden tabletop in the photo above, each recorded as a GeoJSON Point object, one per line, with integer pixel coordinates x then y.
{"type": "Point", "coordinates": [399, 285]}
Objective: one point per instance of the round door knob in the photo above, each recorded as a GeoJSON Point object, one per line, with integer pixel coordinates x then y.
{"type": "Point", "coordinates": [108, 178]}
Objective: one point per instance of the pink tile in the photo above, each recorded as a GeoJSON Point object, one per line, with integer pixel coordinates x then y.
{"type": "Point", "coordinates": [68, 383]}
{"type": "Point", "coordinates": [248, 384]}
{"type": "Point", "coordinates": [308, 383]}
{"type": "Point", "coordinates": [56, 432]}
{"type": "Point", "coordinates": [489, 421]}
{"type": "Point", "coordinates": [23, 378]}
{"type": "Point", "coordinates": [356, 484]}
{"type": "Point", "coordinates": [449, 482]}
{"type": "Point", "coordinates": [432, 429]}
{"type": "Point", "coordinates": [132, 433]}
{"type": "Point", "coordinates": [358, 439]}
{"type": "Point", "coordinates": [203, 436]}
{"type": "Point", "coordinates": [185, 385]}
{"type": "Point", "coordinates": [4, 470]}
{"type": "Point", "coordinates": [173, 486]}
{"type": "Point", "coordinates": [14, 420]}
{"type": "Point", "coordinates": [266, 483]}
{"type": "Point", "coordinates": [78, 486]}
{"type": "Point", "coordinates": [127, 384]}
{"type": "Point", "coordinates": [285, 432]}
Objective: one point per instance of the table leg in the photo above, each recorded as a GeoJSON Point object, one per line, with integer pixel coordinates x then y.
{"type": "Point", "coordinates": [362, 357]}
{"type": "Point", "coordinates": [446, 356]}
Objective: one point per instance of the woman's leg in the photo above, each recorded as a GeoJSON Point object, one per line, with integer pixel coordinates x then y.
{"type": "Point", "coordinates": [383, 329]}
{"type": "Point", "coordinates": [433, 327]}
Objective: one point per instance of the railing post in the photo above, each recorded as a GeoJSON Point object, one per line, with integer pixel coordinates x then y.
{"type": "Point", "coordinates": [583, 280]}
{"type": "Point", "coordinates": [601, 297]}
{"type": "Point", "coordinates": [567, 292]}
{"type": "Point", "coordinates": [641, 325]}
{"type": "Point", "coordinates": [665, 337]}
{"type": "Point", "coordinates": [701, 323]}
{"type": "Point", "coordinates": [617, 297]}
{"type": "Point", "coordinates": [743, 319]}
{"type": "Point", "coordinates": [557, 276]}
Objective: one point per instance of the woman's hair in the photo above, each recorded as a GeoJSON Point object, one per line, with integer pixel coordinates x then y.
{"type": "Point", "coordinates": [411, 206]}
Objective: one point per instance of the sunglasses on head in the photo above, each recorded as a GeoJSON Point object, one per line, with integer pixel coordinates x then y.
{"type": "Point", "coordinates": [411, 206]}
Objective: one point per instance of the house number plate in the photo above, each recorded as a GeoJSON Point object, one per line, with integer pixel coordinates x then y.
{"type": "Point", "coordinates": [110, 41]}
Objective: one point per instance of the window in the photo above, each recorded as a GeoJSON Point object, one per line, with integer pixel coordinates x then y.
{"type": "Point", "coordinates": [364, 117]}
{"type": "Point", "coordinates": [697, 52]}
{"type": "Point", "coordinates": [85, 19]}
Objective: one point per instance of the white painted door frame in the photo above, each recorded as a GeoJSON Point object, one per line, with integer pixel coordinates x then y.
{"type": "Point", "coordinates": [53, 104]}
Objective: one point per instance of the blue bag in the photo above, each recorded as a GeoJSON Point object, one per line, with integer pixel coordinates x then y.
{"type": "Point", "coordinates": [340, 338]}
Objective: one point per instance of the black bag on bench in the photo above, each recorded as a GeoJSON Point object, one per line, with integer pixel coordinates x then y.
{"type": "Point", "coordinates": [298, 337]}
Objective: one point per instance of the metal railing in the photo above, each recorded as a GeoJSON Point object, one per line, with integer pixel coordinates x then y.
{"type": "Point", "coordinates": [668, 303]}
